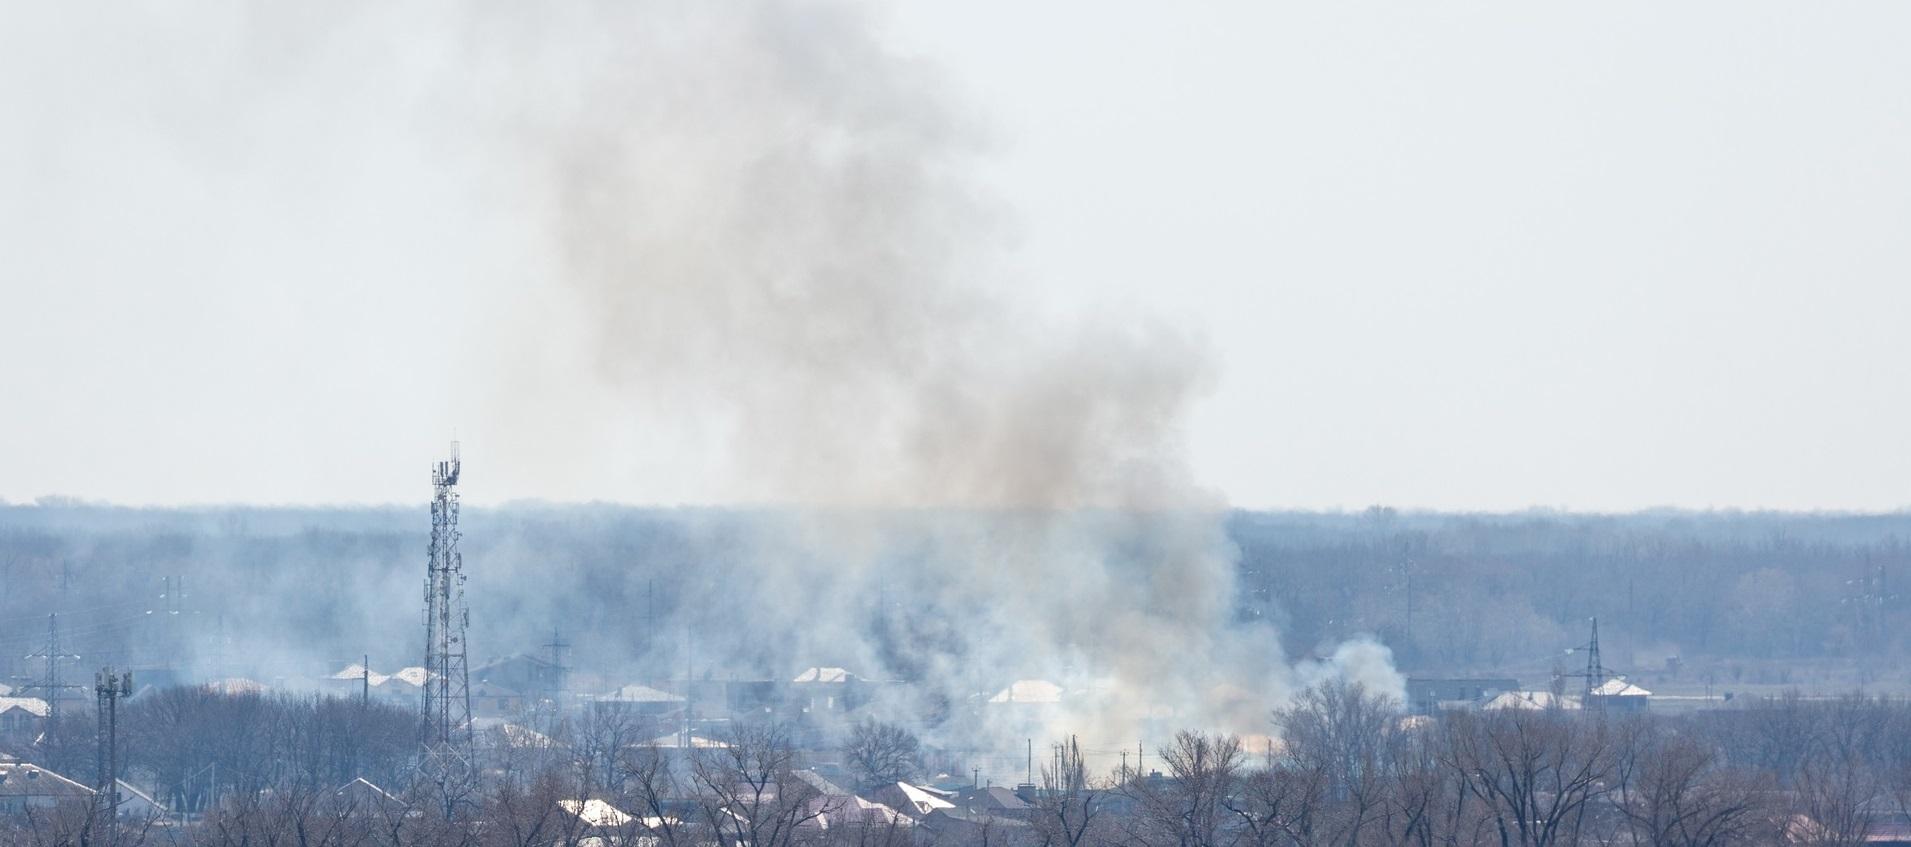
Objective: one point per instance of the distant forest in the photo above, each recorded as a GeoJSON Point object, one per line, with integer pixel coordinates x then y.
{"type": "Point", "coordinates": [279, 593]}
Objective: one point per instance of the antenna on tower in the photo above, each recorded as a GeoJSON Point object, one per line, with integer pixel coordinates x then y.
{"type": "Point", "coordinates": [447, 743]}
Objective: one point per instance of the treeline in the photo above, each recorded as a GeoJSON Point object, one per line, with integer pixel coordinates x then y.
{"type": "Point", "coordinates": [281, 593]}
{"type": "Point", "coordinates": [1344, 767]}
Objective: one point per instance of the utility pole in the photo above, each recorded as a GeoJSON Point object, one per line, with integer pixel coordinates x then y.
{"type": "Point", "coordinates": [110, 688]}
{"type": "Point", "coordinates": [557, 647]}
{"type": "Point", "coordinates": [50, 687]}
{"type": "Point", "coordinates": [365, 681]}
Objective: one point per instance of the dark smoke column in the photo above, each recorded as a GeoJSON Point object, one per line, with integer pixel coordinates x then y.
{"type": "Point", "coordinates": [447, 698]}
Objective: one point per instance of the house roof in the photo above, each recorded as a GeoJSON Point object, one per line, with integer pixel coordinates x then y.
{"type": "Point", "coordinates": [19, 779]}
{"type": "Point", "coordinates": [825, 675]}
{"type": "Point", "coordinates": [1029, 691]}
{"type": "Point", "coordinates": [992, 799]}
{"type": "Point", "coordinates": [635, 693]}
{"type": "Point", "coordinates": [357, 672]}
{"type": "Point", "coordinates": [237, 685]}
{"type": "Point", "coordinates": [923, 799]}
{"type": "Point", "coordinates": [595, 812]}
{"type": "Point", "coordinates": [697, 742]}
{"type": "Point", "coordinates": [1619, 687]}
{"type": "Point", "coordinates": [414, 675]}
{"type": "Point", "coordinates": [32, 705]}
{"type": "Point", "coordinates": [362, 787]}
{"type": "Point", "coordinates": [128, 794]}
{"type": "Point", "coordinates": [1530, 700]}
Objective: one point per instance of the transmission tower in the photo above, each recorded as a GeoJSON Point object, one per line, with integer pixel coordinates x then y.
{"type": "Point", "coordinates": [1596, 672]}
{"type": "Point", "coordinates": [447, 695]}
{"type": "Point", "coordinates": [49, 686]}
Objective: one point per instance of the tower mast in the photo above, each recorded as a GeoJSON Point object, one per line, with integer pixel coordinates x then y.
{"type": "Point", "coordinates": [447, 692]}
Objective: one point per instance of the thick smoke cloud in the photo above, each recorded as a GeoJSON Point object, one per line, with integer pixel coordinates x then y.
{"type": "Point", "coordinates": [752, 231]}
{"type": "Point", "coordinates": [766, 219]}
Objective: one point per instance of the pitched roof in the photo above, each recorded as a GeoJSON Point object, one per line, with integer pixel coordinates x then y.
{"type": "Point", "coordinates": [635, 693]}
{"type": "Point", "coordinates": [825, 675]}
{"type": "Point", "coordinates": [1029, 691]}
{"type": "Point", "coordinates": [696, 742]}
{"type": "Point", "coordinates": [19, 779]}
{"type": "Point", "coordinates": [923, 799]}
{"type": "Point", "coordinates": [33, 705]}
{"type": "Point", "coordinates": [1530, 700]}
{"type": "Point", "coordinates": [357, 672]}
{"type": "Point", "coordinates": [1619, 687]}
{"type": "Point", "coordinates": [595, 812]}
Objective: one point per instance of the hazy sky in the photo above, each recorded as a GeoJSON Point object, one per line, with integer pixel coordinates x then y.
{"type": "Point", "coordinates": [1454, 255]}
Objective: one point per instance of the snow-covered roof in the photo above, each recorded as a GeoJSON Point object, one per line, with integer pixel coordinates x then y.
{"type": "Point", "coordinates": [1029, 691]}
{"type": "Point", "coordinates": [635, 693]}
{"type": "Point", "coordinates": [20, 779]}
{"type": "Point", "coordinates": [357, 672]}
{"type": "Point", "coordinates": [1619, 687]}
{"type": "Point", "coordinates": [237, 685]}
{"type": "Point", "coordinates": [924, 801]}
{"type": "Point", "coordinates": [414, 675]}
{"type": "Point", "coordinates": [697, 742]}
{"type": "Point", "coordinates": [1530, 700]}
{"type": "Point", "coordinates": [595, 812]}
{"type": "Point", "coordinates": [825, 675]}
{"type": "Point", "coordinates": [32, 705]}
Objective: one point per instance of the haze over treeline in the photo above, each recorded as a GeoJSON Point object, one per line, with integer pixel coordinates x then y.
{"type": "Point", "coordinates": [286, 593]}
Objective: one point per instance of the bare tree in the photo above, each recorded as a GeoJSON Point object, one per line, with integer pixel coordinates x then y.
{"type": "Point", "coordinates": [1068, 808]}
{"type": "Point", "coordinates": [880, 753]}
{"type": "Point", "coordinates": [748, 793]}
{"type": "Point", "coordinates": [1537, 772]}
{"type": "Point", "coordinates": [1187, 807]}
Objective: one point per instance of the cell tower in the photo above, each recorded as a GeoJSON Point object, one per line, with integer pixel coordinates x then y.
{"type": "Point", "coordinates": [447, 698]}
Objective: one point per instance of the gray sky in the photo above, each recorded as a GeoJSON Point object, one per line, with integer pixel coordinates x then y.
{"type": "Point", "coordinates": [1456, 255]}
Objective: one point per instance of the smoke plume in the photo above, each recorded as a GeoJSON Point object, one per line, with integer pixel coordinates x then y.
{"type": "Point", "coordinates": [768, 224]}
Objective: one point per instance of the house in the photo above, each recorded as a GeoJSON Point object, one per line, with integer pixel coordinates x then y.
{"type": "Point", "coordinates": [1618, 695]}
{"type": "Point", "coordinates": [1039, 691]}
{"type": "Point", "coordinates": [819, 690]}
{"type": "Point", "coordinates": [915, 800]}
{"type": "Point", "coordinates": [137, 804]}
{"type": "Point", "coordinates": [21, 718]}
{"type": "Point", "coordinates": [523, 672]}
{"type": "Point", "coordinates": [596, 813]}
{"type": "Point", "coordinates": [1529, 700]}
{"type": "Point", "coordinates": [26, 786]}
{"type": "Point", "coordinates": [361, 795]}
{"type": "Point", "coordinates": [991, 801]}
{"type": "Point", "coordinates": [639, 699]}
{"type": "Point", "coordinates": [1427, 695]}
{"type": "Point", "coordinates": [491, 700]}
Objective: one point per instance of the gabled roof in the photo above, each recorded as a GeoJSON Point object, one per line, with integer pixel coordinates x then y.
{"type": "Point", "coordinates": [32, 705]}
{"type": "Point", "coordinates": [128, 794]}
{"type": "Point", "coordinates": [365, 788]}
{"type": "Point", "coordinates": [357, 672]}
{"type": "Point", "coordinates": [19, 779]}
{"type": "Point", "coordinates": [595, 812]}
{"type": "Point", "coordinates": [635, 693]}
{"type": "Point", "coordinates": [1530, 700]}
{"type": "Point", "coordinates": [826, 675]}
{"type": "Point", "coordinates": [697, 742]}
{"type": "Point", "coordinates": [1029, 691]}
{"type": "Point", "coordinates": [237, 685]}
{"type": "Point", "coordinates": [925, 800]}
{"type": "Point", "coordinates": [1619, 687]}
{"type": "Point", "coordinates": [414, 675]}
